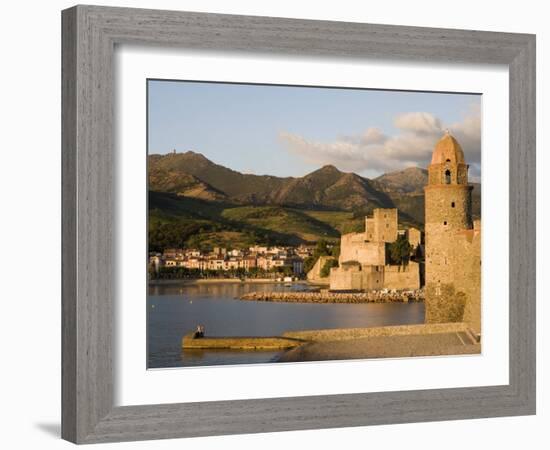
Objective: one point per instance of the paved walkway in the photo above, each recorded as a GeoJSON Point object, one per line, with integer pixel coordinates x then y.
{"type": "Point", "coordinates": [454, 343]}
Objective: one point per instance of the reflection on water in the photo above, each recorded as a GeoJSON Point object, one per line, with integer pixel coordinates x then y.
{"type": "Point", "coordinates": [176, 309]}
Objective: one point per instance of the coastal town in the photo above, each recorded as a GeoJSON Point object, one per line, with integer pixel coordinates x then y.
{"type": "Point", "coordinates": [341, 266]}
{"type": "Point", "coordinates": [383, 256]}
{"type": "Point", "coordinates": [224, 262]}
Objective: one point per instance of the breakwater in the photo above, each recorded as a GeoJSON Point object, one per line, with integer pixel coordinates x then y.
{"type": "Point", "coordinates": [189, 341]}
{"type": "Point", "coordinates": [325, 296]}
{"type": "Point", "coordinates": [342, 334]}
{"type": "Point", "coordinates": [374, 342]}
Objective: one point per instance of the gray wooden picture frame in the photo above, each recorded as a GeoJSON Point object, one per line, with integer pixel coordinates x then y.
{"type": "Point", "coordinates": [90, 34]}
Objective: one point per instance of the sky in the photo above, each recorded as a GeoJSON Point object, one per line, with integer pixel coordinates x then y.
{"type": "Point", "coordinates": [292, 130]}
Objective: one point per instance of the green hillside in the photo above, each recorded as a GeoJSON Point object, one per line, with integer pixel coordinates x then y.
{"type": "Point", "coordinates": [284, 220]}
{"type": "Point", "coordinates": [176, 221]}
{"type": "Point", "coordinates": [342, 221]}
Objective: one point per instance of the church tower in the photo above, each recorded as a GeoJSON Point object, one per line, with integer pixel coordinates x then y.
{"type": "Point", "coordinates": [448, 210]}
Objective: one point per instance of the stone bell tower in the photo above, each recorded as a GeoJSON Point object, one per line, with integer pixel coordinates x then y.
{"type": "Point", "coordinates": [448, 210]}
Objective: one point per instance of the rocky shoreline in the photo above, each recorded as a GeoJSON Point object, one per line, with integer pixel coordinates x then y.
{"type": "Point", "coordinates": [325, 296]}
{"type": "Point", "coordinates": [191, 281]}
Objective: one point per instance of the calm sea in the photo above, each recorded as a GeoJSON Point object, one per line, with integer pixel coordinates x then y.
{"type": "Point", "coordinates": [176, 309]}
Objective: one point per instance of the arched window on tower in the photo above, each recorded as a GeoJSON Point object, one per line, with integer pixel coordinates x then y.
{"type": "Point", "coordinates": [447, 177]}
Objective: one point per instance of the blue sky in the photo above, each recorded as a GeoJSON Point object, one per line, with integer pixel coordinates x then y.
{"type": "Point", "coordinates": [291, 131]}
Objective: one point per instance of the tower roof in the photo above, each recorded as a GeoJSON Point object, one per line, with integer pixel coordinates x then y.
{"type": "Point", "coordinates": [448, 148]}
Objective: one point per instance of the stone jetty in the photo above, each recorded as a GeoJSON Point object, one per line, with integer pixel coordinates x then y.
{"type": "Point", "coordinates": [189, 342]}
{"type": "Point", "coordinates": [326, 296]}
{"type": "Point", "coordinates": [349, 343]}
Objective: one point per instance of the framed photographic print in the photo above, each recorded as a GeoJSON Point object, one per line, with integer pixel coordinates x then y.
{"type": "Point", "coordinates": [278, 224]}
{"type": "Point", "coordinates": [284, 261]}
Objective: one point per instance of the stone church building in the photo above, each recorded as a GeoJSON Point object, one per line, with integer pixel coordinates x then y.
{"type": "Point", "coordinates": [452, 239]}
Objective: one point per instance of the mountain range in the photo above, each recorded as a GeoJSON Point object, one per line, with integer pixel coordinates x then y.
{"type": "Point", "coordinates": [196, 202]}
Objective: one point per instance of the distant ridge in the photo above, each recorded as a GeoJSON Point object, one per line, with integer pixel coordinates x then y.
{"type": "Point", "coordinates": [196, 202]}
{"type": "Point", "coordinates": [326, 187]}
{"type": "Point", "coordinates": [411, 179]}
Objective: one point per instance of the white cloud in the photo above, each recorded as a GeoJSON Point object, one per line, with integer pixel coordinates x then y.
{"type": "Point", "coordinates": [373, 152]}
{"type": "Point", "coordinates": [418, 122]}
{"type": "Point", "coordinates": [468, 133]}
{"type": "Point", "coordinates": [373, 136]}
{"type": "Point", "coordinates": [344, 153]}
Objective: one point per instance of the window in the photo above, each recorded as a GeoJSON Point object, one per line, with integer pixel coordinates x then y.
{"type": "Point", "coordinates": [447, 177]}
{"type": "Point", "coordinates": [452, 204]}
{"type": "Point", "coordinates": [445, 223]}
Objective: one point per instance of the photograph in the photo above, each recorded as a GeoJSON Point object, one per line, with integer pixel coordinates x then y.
{"type": "Point", "coordinates": [300, 223]}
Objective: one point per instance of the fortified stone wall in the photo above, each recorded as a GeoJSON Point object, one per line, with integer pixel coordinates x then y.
{"type": "Point", "coordinates": [346, 278]}
{"type": "Point", "coordinates": [467, 250]}
{"type": "Point", "coordinates": [314, 275]}
{"type": "Point", "coordinates": [402, 277]}
{"type": "Point", "coordinates": [454, 292]}
{"type": "Point", "coordinates": [367, 252]}
{"type": "Point", "coordinates": [368, 277]}
{"type": "Point", "coordinates": [414, 236]}
{"type": "Point", "coordinates": [369, 228]}
{"type": "Point", "coordinates": [383, 225]}
{"type": "Point", "coordinates": [354, 247]}
{"type": "Point", "coordinates": [443, 303]}
{"type": "Point", "coordinates": [373, 277]}
{"type": "Point", "coordinates": [348, 243]}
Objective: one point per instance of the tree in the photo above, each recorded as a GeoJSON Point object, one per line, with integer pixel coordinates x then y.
{"type": "Point", "coordinates": [309, 262]}
{"type": "Point", "coordinates": [321, 249]}
{"type": "Point", "coordinates": [400, 251]}
{"type": "Point", "coordinates": [329, 264]}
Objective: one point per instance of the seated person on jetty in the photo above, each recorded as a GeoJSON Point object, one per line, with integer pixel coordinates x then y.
{"type": "Point", "coordinates": [199, 332]}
